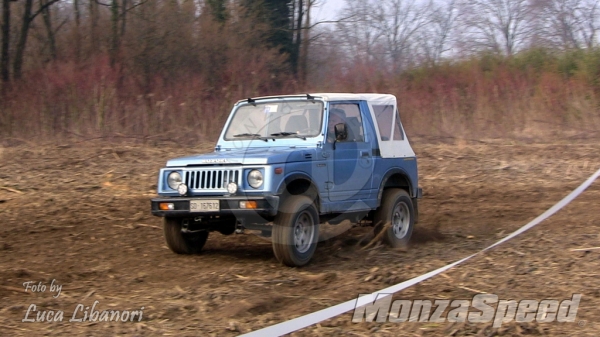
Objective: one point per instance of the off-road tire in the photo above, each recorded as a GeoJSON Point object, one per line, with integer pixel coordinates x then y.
{"type": "Point", "coordinates": [182, 243]}
{"type": "Point", "coordinates": [295, 231]}
{"type": "Point", "coordinates": [396, 213]}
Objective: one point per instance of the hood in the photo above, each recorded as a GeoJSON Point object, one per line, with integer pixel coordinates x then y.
{"type": "Point", "coordinates": [250, 156]}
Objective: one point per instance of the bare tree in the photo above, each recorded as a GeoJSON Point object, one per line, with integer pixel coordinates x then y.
{"type": "Point", "coordinates": [306, 39]}
{"type": "Point", "coordinates": [4, 58]}
{"type": "Point", "coordinates": [46, 15]}
{"type": "Point", "coordinates": [399, 22]}
{"type": "Point", "coordinates": [502, 26]}
{"type": "Point", "coordinates": [591, 23]}
{"type": "Point", "coordinates": [93, 12]}
{"type": "Point", "coordinates": [115, 36]}
{"type": "Point", "coordinates": [385, 31]}
{"type": "Point", "coordinates": [434, 39]}
{"type": "Point", "coordinates": [301, 26]}
{"type": "Point", "coordinates": [570, 23]}
{"type": "Point", "coordinates": [298, 10]}
{"type": "Point", "coordinates": [358, 36]}
{"type": "Point", "coordinates": [28, 16]}
{"type": "Point", "coordinates": [77, 10]}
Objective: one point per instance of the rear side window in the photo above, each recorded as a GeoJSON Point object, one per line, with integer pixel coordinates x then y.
{"type": "Point", "coordinates": [384, 115]}
{"type": "Point", "coordinates": [398, 134]}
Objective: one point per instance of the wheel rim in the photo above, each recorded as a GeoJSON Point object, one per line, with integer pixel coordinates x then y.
{"type": "Point", "coordinates": [304, 232]}
{"type": "Point", "coordinates": [400, 220]}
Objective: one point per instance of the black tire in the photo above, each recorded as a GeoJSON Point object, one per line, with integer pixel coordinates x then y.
{"type": "Point", "coordinates": [182, 243]}
{"type": "Point", "coordinates": [398, 215]}
{"type": "Point", "coordinates": [295, 231]}
{"type": "Point", "coordinates": [227, 229]}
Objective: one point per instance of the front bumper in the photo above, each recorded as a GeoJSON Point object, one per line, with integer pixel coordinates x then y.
{"type": "Point", "coordinates": [266, 206]}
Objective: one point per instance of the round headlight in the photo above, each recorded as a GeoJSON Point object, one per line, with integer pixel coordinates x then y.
{"type": "Point", "coordinates": [255, 178]}
{"type": "Point", "coordinates": [232, 188]}
{"type": "Point", "coordinates": [174, 180]}
{"type": "Point", "coordinates": [182, 189]}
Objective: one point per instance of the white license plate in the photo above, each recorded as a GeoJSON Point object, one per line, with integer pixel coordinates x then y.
{"type": "Point", "coordinates": [204, 205]}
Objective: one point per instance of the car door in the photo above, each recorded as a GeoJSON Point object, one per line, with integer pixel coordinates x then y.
{"type": "Point", "coordinates": [351, 162]}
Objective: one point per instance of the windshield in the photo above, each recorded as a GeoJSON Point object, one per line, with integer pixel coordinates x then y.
{"type": "Point", "coordinates": [300, 118]}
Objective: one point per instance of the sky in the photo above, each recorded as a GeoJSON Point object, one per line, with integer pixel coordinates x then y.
{"type": "Point", "coordinates": [328, 10]}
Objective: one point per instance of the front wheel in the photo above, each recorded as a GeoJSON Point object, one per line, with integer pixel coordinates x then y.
{"type": "Point", "coordinates": [296, 231]}
{"type": "Point", "coordinates": [180, 242]}
{"type": "Point", "coordinates": [395, 216]}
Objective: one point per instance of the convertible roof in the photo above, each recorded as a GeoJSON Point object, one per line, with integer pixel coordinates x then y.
{"type": "Point", "coordinates": [382, 98]}
{"type": "Point", "coordinates": [351, 97]}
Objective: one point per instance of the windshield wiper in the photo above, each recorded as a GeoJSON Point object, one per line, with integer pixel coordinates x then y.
{"type": "Point", "coordinates": [253, 135]}
{"type": "Point", "coordinates": [287, 134]}
{"type": "Point", "coordinates": [247, 135]}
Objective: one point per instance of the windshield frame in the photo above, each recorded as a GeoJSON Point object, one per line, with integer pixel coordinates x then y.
{"type": "Point", "coordinates": [278, 104]}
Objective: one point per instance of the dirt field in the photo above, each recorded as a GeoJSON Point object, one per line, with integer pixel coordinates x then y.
{"type": "Point", "coordinates": [79, 214]}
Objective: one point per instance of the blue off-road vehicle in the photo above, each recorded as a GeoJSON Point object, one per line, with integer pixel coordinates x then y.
{"type": "Point", "coordinates": [285, 164]}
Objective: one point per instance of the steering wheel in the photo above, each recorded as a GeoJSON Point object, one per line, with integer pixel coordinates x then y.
{"type": "Point", "coordinates": [305, 130]}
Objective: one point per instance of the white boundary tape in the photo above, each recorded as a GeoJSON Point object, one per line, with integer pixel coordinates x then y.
{"type": "Point", "coordinates": [321, 315]}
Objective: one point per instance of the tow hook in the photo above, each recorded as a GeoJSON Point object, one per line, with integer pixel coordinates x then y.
{"type": "Point", "coordinates": [185, 227]}
{"type": "Point", "coordinates": [239, 228]}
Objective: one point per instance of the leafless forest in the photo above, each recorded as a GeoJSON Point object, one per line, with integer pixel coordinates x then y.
{"type": "Point", "coordinates": [170, 70]}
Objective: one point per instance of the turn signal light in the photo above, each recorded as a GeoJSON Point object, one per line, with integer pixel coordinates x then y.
{"type": "Point", "coordinates": [166, 206]}
{"type": "Point", "coordinates": [248, 204]}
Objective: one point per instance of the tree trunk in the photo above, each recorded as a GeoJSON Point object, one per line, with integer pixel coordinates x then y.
{"type": "Point", "coordinates": [77, 33]}
{"type": "Point", "coordinates": [123, 16]}
{"type": "Point", "coordinates": [93, 24]}
{"type": "Point", "coordinates": [295, 57]}
{"type": "Point", "coordinates": [22, 39]}
{"type": "Point", "coordinates": [305, 44]}
{"type": "Point", "coordinates": [114, 43]}
{"type": "Point", "coordinates": [48, 24]}
{"type": "Point", "coordinates": [5, 40]}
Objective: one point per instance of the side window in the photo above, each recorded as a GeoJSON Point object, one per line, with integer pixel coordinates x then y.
{"type": "Point", "coordinates": [350, 113]}
{"type": "Point", "coordinates": [384, 115]}
{"type": "Point", "coordinates": [398, 134]}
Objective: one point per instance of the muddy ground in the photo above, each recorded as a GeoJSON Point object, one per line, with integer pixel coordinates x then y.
{"type": "Point", "coordinates": [79, 214]}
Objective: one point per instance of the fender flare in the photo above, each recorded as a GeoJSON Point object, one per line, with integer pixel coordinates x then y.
{"type": "Point", "coordinates": [388, 175]}
{"type": "Point", "coordinates": [294, 176]}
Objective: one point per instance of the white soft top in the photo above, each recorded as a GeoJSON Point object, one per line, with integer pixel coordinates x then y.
{"type": "Point", "coordinates": [378, 98]}
{"type": "Point", "coordinates": [356, 97]}
{"type": "Point", "coordinates": [389, 148]}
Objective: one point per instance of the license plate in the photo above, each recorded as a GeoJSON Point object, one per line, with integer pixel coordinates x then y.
{"type": "Point", "coordinates": [204, 205]}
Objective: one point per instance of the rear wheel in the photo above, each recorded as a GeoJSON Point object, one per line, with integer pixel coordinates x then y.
{"type": "Point", "coordinates": [296, 231]}
{"type": "Point", "coordinates": [395, 216]}
{"type": "Point", "coordinates": [180, 242]}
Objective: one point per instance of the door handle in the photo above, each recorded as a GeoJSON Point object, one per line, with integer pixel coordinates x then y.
{"type": "Point", "coordinates": [364, 153]}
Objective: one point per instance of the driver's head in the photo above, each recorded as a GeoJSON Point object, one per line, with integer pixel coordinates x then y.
{"type": "Point", "coordinates": [336, 116]}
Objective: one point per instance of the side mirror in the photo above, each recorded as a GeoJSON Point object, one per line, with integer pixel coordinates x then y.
{"type": "Point", "coordinates": [341, 133]}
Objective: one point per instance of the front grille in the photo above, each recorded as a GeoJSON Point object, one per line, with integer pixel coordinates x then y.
{"type": "Point", "coordinates": [211, 179]}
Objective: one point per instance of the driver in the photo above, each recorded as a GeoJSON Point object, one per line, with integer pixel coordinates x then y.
{"type": "Point", "coordinates": [336, 116]}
